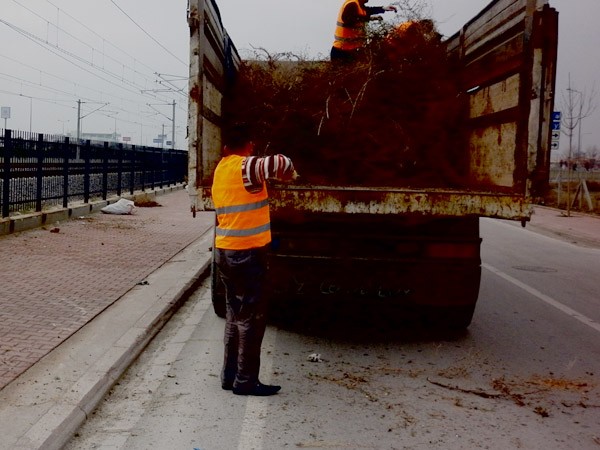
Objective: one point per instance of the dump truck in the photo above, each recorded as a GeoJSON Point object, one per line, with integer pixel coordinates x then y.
{"type": "Point", "coordinates": [415, 247]}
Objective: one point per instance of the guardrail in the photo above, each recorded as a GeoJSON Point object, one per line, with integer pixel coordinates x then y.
{"type": "Point", "coordinates": [41, 171]}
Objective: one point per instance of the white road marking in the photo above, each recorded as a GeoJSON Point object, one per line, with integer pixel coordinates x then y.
{"type": "Point", "coordinates": [549, 300]}
{"type": "Point", "coordinates": [257, 408]}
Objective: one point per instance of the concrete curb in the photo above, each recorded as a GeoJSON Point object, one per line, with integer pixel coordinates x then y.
{"type": "Point", "coordinates": [45, 406]}
{"type": "Point", "coordinates": [23, 222]}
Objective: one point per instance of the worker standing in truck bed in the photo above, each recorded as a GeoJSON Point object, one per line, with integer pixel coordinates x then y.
{"type": "Point", "coordinates": [350, 33]}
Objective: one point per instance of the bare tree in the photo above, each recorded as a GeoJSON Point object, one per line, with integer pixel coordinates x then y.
{"type": "Point", "coordinates": [411, 9]}
{"type": "Point", "coordinates": [577, 105]}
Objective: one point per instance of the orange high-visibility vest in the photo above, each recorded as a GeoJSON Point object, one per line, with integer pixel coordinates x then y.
{"type": "Point", "coordinates": [243, 218]}
{"type": "Point", "coordinates": [349, 37]}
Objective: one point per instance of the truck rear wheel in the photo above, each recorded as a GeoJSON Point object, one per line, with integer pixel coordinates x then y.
{"type": "Point", "coordinates": [217, 292]}
{"type": "Point", "coordinates": [448, 318]}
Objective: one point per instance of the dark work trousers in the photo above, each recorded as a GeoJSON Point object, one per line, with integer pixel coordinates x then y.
{"type": "Point", "coordinates": [344, 56]}
{"type": "Point", "coordinates": [243, 274]}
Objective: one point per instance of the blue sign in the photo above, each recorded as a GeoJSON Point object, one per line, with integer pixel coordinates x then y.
{"type": "Point", "coordinates": [556, 124]}
{"type": "Point", "coordinates": [556, 115]}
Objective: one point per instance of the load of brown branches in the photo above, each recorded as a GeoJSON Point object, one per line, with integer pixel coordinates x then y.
{"type": "Point", "coordinates": [389, 118]}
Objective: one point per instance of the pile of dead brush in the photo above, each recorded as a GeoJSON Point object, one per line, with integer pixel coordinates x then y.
{"type": "Point", "coordinates": [389, 118]}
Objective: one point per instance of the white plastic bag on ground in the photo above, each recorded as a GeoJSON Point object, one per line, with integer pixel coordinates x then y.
{"type": "Point", "coordinates": [123, 206]}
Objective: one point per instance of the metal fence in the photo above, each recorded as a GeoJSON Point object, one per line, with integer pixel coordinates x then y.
{"type": "Point", "coordinates": [42, 171]}
{"type": "Point", "coordinates": [563, 174]}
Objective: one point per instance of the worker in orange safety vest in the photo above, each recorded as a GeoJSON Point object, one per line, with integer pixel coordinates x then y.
{"type": "Point", "coordinates": [350, 34]}
{"type": "Point", "coordinates": [242, 237]}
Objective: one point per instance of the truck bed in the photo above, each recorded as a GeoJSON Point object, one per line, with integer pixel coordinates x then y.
{"type": "Point", "coordinates": [507, 56]}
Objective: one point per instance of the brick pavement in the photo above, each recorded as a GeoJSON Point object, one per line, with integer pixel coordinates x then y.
{"type": "Point", "coordinates": [52, 284]}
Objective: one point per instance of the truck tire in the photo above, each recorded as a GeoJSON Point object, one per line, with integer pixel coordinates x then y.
{"type": "Point", "coordinates": [449, 318]}
{"type": "Point", "coordinates": [217, 292]}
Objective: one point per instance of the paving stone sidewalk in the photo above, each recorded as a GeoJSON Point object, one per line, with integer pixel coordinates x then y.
{"type": "Point", "coordinates": [54, 280]}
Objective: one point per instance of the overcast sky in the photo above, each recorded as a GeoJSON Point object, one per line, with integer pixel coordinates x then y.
{"type": "Point", "coordinates": [55, 52]}
{"type": "Point", "coordinates": [106, 54]}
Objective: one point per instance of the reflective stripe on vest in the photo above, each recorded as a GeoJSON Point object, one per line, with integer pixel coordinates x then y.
{"type": "Point", "coordinates": [349, 37]}
{"type": "Point", "coordinates": [242, 233]}
{"type": "Point", "coordinates": [241, 208]}
{"type": "Point", "coordinates": [243, 217]}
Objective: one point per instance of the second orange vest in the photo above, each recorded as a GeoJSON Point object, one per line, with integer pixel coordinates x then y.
{"type": "Point", "coordinates": [347, 37]}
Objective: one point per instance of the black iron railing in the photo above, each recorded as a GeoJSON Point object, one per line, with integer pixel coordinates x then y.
{"type": "Point", "coordinates": [42, 171]}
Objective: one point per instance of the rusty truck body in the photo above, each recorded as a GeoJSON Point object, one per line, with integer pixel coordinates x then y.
{"type": "Point", "coordinates": [417, 247]}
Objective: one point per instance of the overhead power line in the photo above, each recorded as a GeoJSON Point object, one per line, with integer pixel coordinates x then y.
{"type": "Point", "coordinates": [74, 95]}
{"type": "Point", "coordinates": [115, 46]}
{"type": "Point", "coordinates": [73, 57]}
{"type": "Point", "coordinates": [148, 34]}
{"type": "Point", "coordinates": [92, 48]}
{"type": "Point", "coordinates": [73, 49]}
{"type": "Point", "coordinates": [64, 80]}
{"type": "Point", "coordinates": [77, 39]}
{"type": "Point", "coordinates": [169, 82]}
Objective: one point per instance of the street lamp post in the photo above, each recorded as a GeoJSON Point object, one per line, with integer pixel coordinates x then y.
{"type": "Point", "coordinates": [172, 119]}
{"type": "Point", "coordinates": [115, 127]}
{"type": "Point", "coordinates": [579, 146]}
{"type": "Point", "coordinates": [79, 117]}
{"type": "Point", "coordinates": [173, 132]}
{"type": "Point", "coordinates": [63, 125]}
{"type": "Point", "coordinates": [5, 114]}
{"type": "Point", "coordinates": [78, 125]}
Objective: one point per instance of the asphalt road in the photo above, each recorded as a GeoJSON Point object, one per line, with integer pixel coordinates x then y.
{"type": "Point", "coordinates": [525, 374]}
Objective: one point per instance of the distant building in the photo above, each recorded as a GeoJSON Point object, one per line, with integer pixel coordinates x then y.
{"type": "Point", "coordinates": [100, 137]}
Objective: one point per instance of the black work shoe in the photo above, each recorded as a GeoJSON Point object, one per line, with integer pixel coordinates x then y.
{"type": "Point", "coordinates": [227, 385]}
{"type": "Point", "coordinates": [260, 390]}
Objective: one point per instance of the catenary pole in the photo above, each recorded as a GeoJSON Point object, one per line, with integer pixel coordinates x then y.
{"type": "Point", "coordinates": [173, 132]}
